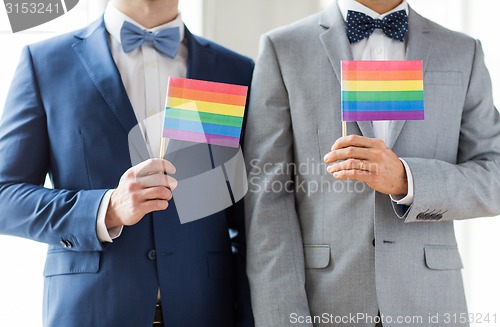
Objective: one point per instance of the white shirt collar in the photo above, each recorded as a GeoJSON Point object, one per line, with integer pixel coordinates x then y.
{"type": "Point", "coordinates": [346, 5]}
{"type": "Point", "coordinates": [114, 18]}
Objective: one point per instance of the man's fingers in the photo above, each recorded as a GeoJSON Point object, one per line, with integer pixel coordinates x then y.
{"type": "Point", "coordinates": [171, 183]}
{"type": "Point", "coordinates": [348, 153]}
{"type": "Point", "coordinates": [159, 179]}
{"type": "Point", "coordinates": [357, 141]}
{"type": "Point", "coordinates": [154, 166]}
{"type": "Point", "coordinates": [156, 193]}
{"type": "Point", "coordinates": [348, 164]}
{"type": "Point", "coordinates": [360, 175]}
{"type": "Point", "coordinates": [154, 205]}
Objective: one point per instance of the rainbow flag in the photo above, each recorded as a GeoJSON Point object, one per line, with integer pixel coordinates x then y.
{"type": "Point", "coordinates": [204, 112]}
{"type": "Point", "coordinates": [382, 90]}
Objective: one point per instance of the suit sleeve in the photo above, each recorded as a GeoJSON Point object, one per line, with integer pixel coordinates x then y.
{"type": "Point", "coordinates": [66, 218]}
{"type": "Point", "coordinates": [471, 187]}
{"type": "Point", "coordinates": [275, 255]}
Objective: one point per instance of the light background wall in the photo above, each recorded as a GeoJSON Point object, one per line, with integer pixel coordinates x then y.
{"type": "Point", "coordinates": [238, 24]}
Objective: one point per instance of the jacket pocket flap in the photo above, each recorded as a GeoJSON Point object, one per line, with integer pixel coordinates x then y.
{"type": "Point", "coordinates": [442, 257]}
{"type": "Point", "coordinates": [317, 256]}
{"type": "Point", "coordinates": [71, 262]}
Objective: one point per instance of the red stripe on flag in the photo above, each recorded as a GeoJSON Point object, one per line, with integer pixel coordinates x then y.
{"type": "Point", "coordinates": [215, 87]}
{"type": "Point", "coordinates": [383, 65]}
{"type": "Point", "coordinates": [197, 95]}
{"type": "Point", "coordinates": [381, 75]}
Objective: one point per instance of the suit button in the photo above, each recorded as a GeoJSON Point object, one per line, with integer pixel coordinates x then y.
{"type": "Point", "coordinates": [152, 254]}
{"type": "Point", "coordinates": [420, 216]}
{"type": "Point", "coordinates": [439, 217]}
{"type": "Point", "coordinates": [66, 244]}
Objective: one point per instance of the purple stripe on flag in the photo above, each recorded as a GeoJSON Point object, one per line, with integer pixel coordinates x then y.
{"type": "Point", "coordinates": [195, 137]}
{"type": "Point", "coordinates": [383, 115]}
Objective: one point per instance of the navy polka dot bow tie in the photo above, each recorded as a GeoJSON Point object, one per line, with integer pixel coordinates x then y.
{"type": "Point", "coordinates": [360, 26]}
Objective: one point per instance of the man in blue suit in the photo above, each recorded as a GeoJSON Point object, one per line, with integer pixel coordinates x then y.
{"type": "Point", "coordinates": [116, 246]}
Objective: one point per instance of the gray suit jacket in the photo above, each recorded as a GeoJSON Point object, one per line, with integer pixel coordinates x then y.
{"type": "Point", "coordinates": [323, 250]}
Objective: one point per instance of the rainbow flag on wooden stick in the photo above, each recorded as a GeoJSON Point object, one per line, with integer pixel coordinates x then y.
{"type": "Point", "coordinates": [382, 90]}
{"type": "Point", "coordinates": [204, 112]}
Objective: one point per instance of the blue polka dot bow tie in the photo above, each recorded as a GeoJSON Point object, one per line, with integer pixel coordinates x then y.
{"type": "Point", "coordinates": [360, 26]}
{"type": "Point", "coordinates": [166, 41]}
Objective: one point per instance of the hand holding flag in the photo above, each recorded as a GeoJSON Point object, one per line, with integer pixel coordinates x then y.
{"type": "Point", "coordinates": [367, 160]}
{"type": "Point", "coordinates": [376, 90]}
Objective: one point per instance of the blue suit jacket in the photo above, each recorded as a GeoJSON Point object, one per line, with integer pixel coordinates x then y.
{"type": "Point", "coordinates": [67, 114]}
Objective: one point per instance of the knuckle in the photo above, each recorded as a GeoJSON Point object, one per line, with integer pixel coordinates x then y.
{"type": "Point", "coordinates": [131, 187]}
{"type": "Point", "coordinates": [169, 194]}
{"type": "Point", "coordinates": [134, 198]}
{"type": "Point", "coordinates": [129, 173]}
{"type": "Point", "coordinates": [349, 151]}
{"type": "Point", "coordinates": [157, 192]}
{"type": "Point", "coordinates": [350, 163]}
{"type": "Point", "coordinates": [162, 192]}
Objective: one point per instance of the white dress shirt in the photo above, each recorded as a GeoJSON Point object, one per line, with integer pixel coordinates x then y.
{"type": "Point", "coordinates": [144, 72]}
{"type": "Point", "coordinates": [380, 47]}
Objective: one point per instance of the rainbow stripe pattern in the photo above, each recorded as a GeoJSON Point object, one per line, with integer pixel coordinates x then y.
{"type": "Point", "coordinates": [382, 90]}
{"type": "Point", "coordinates": [204, 112]}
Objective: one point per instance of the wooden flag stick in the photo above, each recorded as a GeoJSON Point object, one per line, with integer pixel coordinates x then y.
{"type": "Point", "coordinates": [163, 146]}
{"type": "Point", "coordinates": [164, 140]}
{"type": "Point", "coordinates": [344, 128]}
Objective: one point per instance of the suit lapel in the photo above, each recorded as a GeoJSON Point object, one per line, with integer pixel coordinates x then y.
{"type": "Point", "coordinates": [337, 48]}
{"type": "Point", "coordinates": [201, 61]}
{"type": "Point", "coordinates": [92, 49]}
{"type": "Point", "coordinates": [418, 48]}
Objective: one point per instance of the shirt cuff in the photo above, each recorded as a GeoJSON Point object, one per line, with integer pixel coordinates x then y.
{"type": "Point", "coordinates": [104, 234]}
{"type": "Point", "coordinates": [408, 198]}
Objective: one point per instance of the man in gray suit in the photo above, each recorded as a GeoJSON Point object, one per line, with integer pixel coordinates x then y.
{"type": "Point", "coordinates": [375, 244]}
